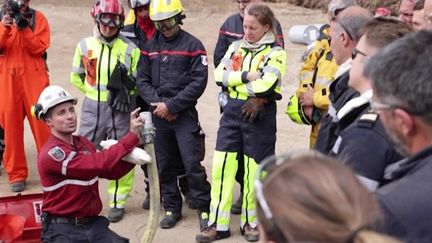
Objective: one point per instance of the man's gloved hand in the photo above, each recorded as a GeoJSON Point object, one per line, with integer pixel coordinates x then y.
{"type": "Point", "coordinates": [119, 85]}
{"type": "Point", "coordinates": [253, 108]}
{"type": "Point", "coordinates": [120, 100]}
{"type": "Point", "coordinates": [137, 156]}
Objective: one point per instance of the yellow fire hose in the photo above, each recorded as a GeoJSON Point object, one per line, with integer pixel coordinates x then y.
{"type": "Point", "coordinates": [153, 176]}
{"type": "Point", "coordinates": [153, 217]}
{"type": "Point", "coordinates": [147, 158]}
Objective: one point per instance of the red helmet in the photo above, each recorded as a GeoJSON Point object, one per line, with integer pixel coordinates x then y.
{"type": "Point", "coordinates": [108, 12]}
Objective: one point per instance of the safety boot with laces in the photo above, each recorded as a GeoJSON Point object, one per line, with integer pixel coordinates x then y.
{"type": "Point", "coordinates": [203, 217]}
{"type": "Point", "coordinates": [170, 220]}
{"type": "Point", "coordinates": [210, 234]}
{"type": "Point", "coordinates": [250, 233]}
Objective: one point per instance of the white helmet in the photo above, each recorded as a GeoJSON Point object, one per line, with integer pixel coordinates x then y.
{"type": "Point", "coordinates": [50, 97]}
{"type": "Point", "coordinates": [137, 3]}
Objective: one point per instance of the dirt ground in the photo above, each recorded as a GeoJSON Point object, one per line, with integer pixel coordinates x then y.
{"type": "Point", "coordinates": [70, 21]}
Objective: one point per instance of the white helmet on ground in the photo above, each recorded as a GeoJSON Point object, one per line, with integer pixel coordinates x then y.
{"type": "Point", "coordinates": [51, 96]}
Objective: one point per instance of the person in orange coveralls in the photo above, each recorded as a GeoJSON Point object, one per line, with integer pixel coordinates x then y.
{"type": "Point", "coordinates": [24, 39]}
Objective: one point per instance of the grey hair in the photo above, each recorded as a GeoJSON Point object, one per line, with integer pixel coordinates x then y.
{"type": "Point", "coordinates": [401, 74]}
{"type": "Point", "coordinates": [354, 24]}
{"type": "Point", "coordinates": [338, 5]}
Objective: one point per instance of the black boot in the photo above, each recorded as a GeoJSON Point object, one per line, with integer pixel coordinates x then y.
{"type": "Point", "coordinates": [170, 220]}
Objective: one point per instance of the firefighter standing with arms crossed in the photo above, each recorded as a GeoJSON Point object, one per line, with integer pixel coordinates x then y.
{"type": "Point", "coordinates": [104, 69]}
{"type": "Point", "coordinates": [69, 167]}
{"type": "Point", "coordinates": [24, 39]}
{"type": "Point", "coordinates": [252, 70]}
{"type": "Point", "coordinates": [172, 76]}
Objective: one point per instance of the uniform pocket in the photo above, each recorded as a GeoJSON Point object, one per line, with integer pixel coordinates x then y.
{"type": "Point", "coordinates": [200, 135]}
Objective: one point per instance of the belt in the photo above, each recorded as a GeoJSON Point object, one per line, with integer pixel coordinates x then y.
{"type": "Point", "coordinates": [79, 221]}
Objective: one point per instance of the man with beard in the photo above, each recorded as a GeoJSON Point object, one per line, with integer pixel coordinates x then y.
{"type": "Point", "coordinates": [402, 96]}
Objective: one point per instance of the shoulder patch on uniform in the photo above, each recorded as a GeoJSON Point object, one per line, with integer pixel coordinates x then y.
{"type": "Point", "coordinates": [204, 60]}
{"type": "Point", "coordinates": [57, 153]}
{"type": "Point", "coordinates": [369, 117]}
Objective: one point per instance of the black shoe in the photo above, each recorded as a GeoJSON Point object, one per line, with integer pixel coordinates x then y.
{"type": "Point", "coordinates": [115, 214]}
{"type": "Point", "coordinates": [203, 217]}
{"type": "Point", "coordinates": [170, 220]}
{"type": "Point", "coordinates": [18, 186]}
{"type": "Point", "coordinates": [146, 203]}
{"type": "Point", "coordinates": [236, 208]}
{"type": "Point", "coordinates": [211, 234]}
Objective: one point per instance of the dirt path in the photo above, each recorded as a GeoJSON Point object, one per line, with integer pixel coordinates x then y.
{"type": "Point", "coordinates": [70, 21]}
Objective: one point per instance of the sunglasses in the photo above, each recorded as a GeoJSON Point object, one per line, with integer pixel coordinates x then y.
{"type": "Point", "coordinates": [166, 24]}
{"type": "Point", "coordinates": [108, 19]}
{"type": "Point", "coordinates": [377, 107]}
{"type": "Point", "coordinates": [356, 52]}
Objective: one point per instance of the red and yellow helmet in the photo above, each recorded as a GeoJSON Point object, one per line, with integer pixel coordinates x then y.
{"type": "Point", "coordinates": [108, 12]}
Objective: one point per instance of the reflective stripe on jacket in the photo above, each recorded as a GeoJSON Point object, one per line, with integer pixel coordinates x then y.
{"type": "Point", "coordinates": [238, 61]}
{"type": "Point", "coordinates": [173, 71]}
{"type": "Point", "coordinates": [94, 62]}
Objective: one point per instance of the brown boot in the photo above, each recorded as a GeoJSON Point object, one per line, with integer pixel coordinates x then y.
{"type": "Point", "coordinates": [211, 234]}
{"type": "Point", "coordinates": [250, 234]}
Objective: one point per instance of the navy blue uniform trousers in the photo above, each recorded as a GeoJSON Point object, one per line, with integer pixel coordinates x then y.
{"type": "Point", "coordinates": [96, 231]}
{"type": "Point", "coordinates": [184, 135]}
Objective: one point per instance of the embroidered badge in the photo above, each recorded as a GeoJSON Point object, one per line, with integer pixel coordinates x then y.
{"type": "Point", "coordinates": [204, 60]}
{"type": "Point", "coordinates": [57, 154]}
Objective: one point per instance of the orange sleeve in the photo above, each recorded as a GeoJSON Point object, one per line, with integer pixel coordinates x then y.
{"type": "Point", "coordinates": [37, 42]}
{"type": "Point", "coordinates": [4, 32]}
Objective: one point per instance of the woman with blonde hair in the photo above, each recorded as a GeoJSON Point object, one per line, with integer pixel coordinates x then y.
{"type": "Point", "coordinates": [310, 197]}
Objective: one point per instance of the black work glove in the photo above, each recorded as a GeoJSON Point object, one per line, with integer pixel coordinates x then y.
{"type": "Point", "coordinates": [253, 108]}
{"type": "Point", "coordinates": [120, 100]}
{"type": "Point", "coordinates": [119, 85]}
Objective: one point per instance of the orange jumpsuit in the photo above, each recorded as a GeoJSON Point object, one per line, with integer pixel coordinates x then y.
{"type": "Point", "coordinates": [23, 76]}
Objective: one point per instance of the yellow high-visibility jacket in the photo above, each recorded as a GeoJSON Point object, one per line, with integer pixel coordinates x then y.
{"type": "Point", "coordinates": [94, 62]}
{"type": "Point", "coordinates": [321, 61]}
{"type": "Point", "coordinates": [270, 60]}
